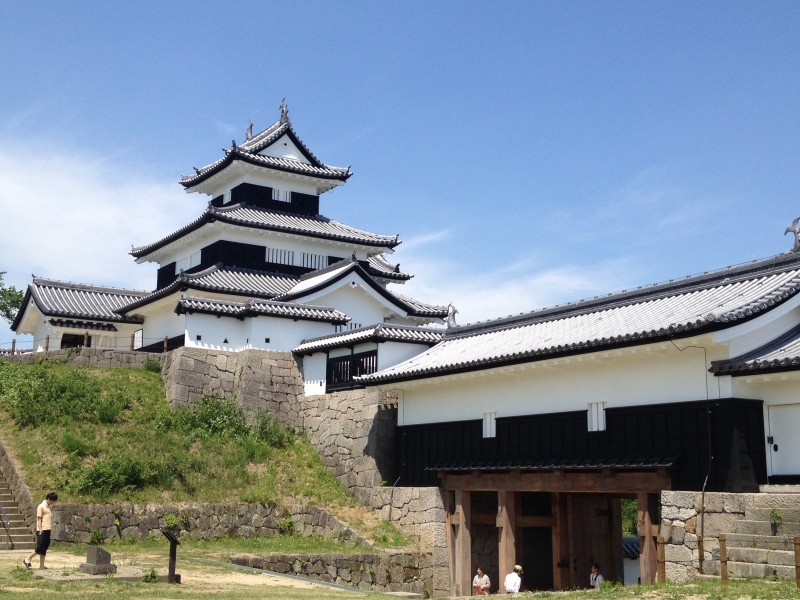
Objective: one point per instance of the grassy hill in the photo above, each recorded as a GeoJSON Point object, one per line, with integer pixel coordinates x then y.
{"type": "Point", "coordinates": [98, 435]}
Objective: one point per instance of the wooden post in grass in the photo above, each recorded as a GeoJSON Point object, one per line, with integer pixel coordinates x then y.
{"type": "Point", "coordinates": [797, 561]}
{"type": "Point", "coordinates": [47, 343]}
{"type": "Point", "coordinates": [166, 343]}
{"type": "Point", "coordinates": [700, 553]}
{"type": "Point", "coordinates": [131, 342]}
{"type": "Point", "coordinates": [13, 346]}
{"type": "Point", "coordinates": [723, 559]}
{"type": "Point", "coordinates": [661, 558]}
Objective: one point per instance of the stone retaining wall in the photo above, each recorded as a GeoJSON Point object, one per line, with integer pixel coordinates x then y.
{"type": "Point", "coordinates": [102, 522]}
{"type": "Point", "coordinates": [681, 523]}
{"type": "Point", "coordinates": [20, 491]}
{"type": "Point", "coordinates": [89, 357]}
{"type": "Point", "coordinates": [389, 571]}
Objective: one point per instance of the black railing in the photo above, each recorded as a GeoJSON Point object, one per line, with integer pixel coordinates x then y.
{"type": "Point", "coordinates": [342, 369]}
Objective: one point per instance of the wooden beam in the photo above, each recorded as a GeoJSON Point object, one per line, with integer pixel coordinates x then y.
{"type": "Point", "coordinates": [506, 535]}
{"type": "Point", "coordinates": [624, 482]}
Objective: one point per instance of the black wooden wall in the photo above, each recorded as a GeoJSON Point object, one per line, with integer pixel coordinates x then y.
{"type": "Point", "coordinates": [729, 430]}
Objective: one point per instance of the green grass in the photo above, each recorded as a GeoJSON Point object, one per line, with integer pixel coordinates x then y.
{"type": "Point", "coordinates": [107, 435]}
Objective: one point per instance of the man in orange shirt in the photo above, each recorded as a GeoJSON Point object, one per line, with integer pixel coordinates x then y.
{"type": "Point", "coordinates": [44, 523]}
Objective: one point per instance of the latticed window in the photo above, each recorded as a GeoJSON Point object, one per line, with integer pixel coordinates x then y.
{"type": "Point", "coordinates": [342, 369]}
{"type": "Point", "coordinates": [280, 256]}
{"type": "Point", "coordinates": [281, 195]}
{"type": "Point", "coordinates": [314, 261]}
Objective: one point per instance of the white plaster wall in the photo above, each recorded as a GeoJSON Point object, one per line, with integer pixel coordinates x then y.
{"type": "Point", "coordinates": [214, 331]}
{"type": "Point", "coordinates": [393, 353]}
{"type": "Point", "coordinates": [558, 386]}
{"type": "Point", "coordinates": [161, 320]}
{"type": "Point", "coordinates": [630, 570]}
{"type": "Point", "coordinates": [361, 304]}
{"type": "Point", "coordinates": [314, 373]}
{"type": "Point", "coordinates": [284, 334]}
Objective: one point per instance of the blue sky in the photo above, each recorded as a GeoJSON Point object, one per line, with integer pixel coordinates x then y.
{"type": "Point", "coordinates": [528, 153]}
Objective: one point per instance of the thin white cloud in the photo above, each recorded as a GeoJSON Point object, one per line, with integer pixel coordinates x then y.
{"type": "Point", "coordinates": [72, 216]}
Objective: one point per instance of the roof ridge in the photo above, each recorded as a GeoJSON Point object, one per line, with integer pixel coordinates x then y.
{"type": "Point", "coordinates": [85, 286]}
{"type": "Point", "coordinates": [725, 276]}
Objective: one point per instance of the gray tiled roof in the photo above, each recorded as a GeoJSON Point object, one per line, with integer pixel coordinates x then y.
{"type": "Point", "coordinates": [249, 150]}
{"type": "Point", "coordinates": [381, 332]}
{"type": "Point", "coordinates": [271, 220]}
{"type": "Point", "coordinates": [706, 302]}
{"type": "Point", "coordinates": [781, 354]}
{"type": "Point", "coordinates": [380, 267]}
{"type": "Point", "coordinates": [78, 301]}
{"type": "Point", "coordinates": [254, 308]}
{"type": "Point", "coordinates": [225, 280]}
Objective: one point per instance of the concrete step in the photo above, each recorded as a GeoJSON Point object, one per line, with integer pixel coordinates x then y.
{"type": "Point", "coordinates": [789, 515]}
{"type": "Point", "coordinates": [779, 500]}
{"type": "Point", "coordinates": [17, 545]}
{"type": "Point", "coordinates": [766, 542]}
{"type": "Point", "coordinates": [761, 556]}
{"type": "Point", "coordinates": [759, 571]}
{"type": "Point", "coordinates": [780, 489]}
{"type": "Point", "coordinates": [764, 528]}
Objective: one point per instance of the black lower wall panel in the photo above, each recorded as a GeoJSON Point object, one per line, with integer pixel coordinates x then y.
{"type": "Point", "coordinates": [719, 443]}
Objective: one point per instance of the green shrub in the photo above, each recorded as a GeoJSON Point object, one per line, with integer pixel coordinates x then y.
{"type": "Point", "coordinates": [285, 526]}
{"type": "Point", "coordinates": [273, 433]}
{"type": "Point", "coordinates": [152, 365]}
{"type": "Point", "coordinates": [212, 416]}
{"type": "Point", "coordinates": [74, 444]}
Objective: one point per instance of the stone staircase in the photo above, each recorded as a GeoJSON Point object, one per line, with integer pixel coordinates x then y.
{"type": "Point", "coordinates": [14, 533]}
{"type": "Point", "coordinates": [758, 548]}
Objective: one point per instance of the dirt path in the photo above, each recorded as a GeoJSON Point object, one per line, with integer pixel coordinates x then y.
{"type": "Point", "coordinates": [62, 566]}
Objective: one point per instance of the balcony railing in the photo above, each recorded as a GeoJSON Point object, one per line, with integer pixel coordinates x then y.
{"type": "Point", "coordinates": [342, 369]}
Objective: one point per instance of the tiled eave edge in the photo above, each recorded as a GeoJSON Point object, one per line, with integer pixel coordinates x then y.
{"type": "Point", "coordinates": [627, 341]}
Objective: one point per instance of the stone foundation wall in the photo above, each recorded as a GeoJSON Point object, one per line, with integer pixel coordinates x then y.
{"type": "Point", "coordinates": [419, 513]}
{"type": "Point", "coordinates": [89, 357]}
{"type": "Point", "coordinates": [257, 379]}
{"type": "Point", "coordinates": [681, 523]}
{"type": "Point", "coordinates": [102, 522]}
{"type": "Point", "coordinates": [389, 571]}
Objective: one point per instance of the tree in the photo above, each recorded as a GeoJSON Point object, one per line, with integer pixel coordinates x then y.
{"type": "Point", "coordinates": [10, 300]}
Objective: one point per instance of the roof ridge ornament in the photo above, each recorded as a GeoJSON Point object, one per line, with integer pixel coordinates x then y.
{"type": "Point", "coordinates": [451, 315]}
{"type": "Point", "coordinates": [285, 113]}
{"type": "Point", "coordinates": [795, 229]}
{"type": "Point", "coordinates": [248, 134]}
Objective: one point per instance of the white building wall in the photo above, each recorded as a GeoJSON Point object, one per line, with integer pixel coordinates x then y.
{"type": "Point", "coordinates": [357, 302]}
{"type": "Point", "coordinates": [393, 353]}
{"type": "Point", "coordinates": [284, 334]}
{"type": "Point", "coordinates": [666, 375]}
{"type": "Point", "coordinates": [314, 373]}
{"type": "Point", "coordinates": [160, 321]}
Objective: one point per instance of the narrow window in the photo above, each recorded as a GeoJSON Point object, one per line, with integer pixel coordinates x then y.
{"type": "Point", "coordinates": [280, 256]}
{"type": "Point", "coordinates": [490, 424]}
{"type": "Point", "coordinates": [281, 195]}
{"type": "Point", "coordinates": [596, 416]}
{"type": "Point", "coordinates": [199, 337]}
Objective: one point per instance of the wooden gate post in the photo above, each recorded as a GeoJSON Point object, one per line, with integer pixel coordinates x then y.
{"type": "Point", "coordinates": [131, 342]}
{"type": "Point", "coordinates": [13, 346]}
{"type": "Point", "coordinates": [47, 343]}
{"type": "Point", "coordinates": [662, 566]}
{"type": "Point", "coordinates": [647, 513]}
{"type": "Point", "coordinates": [723, 559]}
{"type": "Point", "coordinates": [85, 339]}
{"type": "Point", "coordinates": [463, 544]}
{"type": "Point", "coordinates": [166, 344]}
{"type": "Point", "coordinates": [506, 542]}
{"type": "Point", "coordinates": [797, 561]}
